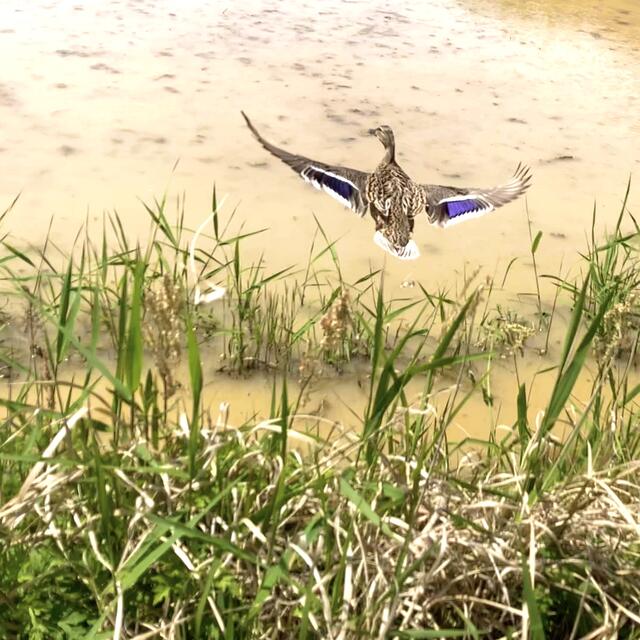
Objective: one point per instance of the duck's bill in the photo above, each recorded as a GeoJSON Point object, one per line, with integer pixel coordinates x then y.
{"type": "Point", "coordinates": [410, 250]}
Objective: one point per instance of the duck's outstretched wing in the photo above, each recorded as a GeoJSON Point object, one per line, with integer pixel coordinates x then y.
{"type": "Point", "coordinates": [346, 185]}
{"type": "Point", "coordinates": [450, 205]}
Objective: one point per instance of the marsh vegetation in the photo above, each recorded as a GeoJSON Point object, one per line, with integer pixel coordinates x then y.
{"type": "Point", "coordinates": [132, 508]}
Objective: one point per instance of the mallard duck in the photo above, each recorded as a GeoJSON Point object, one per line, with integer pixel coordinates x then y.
{"type": "Point", "coordinates": [392, 198]}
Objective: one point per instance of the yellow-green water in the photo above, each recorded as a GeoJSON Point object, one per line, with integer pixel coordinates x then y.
{"type": "Point", "coordinates": [99, 100]}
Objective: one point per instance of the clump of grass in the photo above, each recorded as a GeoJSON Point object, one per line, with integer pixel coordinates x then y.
{"type": "Point", "coordinates": [613, 277]}
{"type": "Point", "coordinates": [334, 324]}
{"type": "Point", "coordinates": [147, 517]}
{"type": "Point", "coordinates": [619, 331]}
{"type": "Point", "coordinates": [507, 332]}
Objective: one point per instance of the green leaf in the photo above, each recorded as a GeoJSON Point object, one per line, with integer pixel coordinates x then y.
{"type": "Point", "coordinates": [202, 600]}
{"type": "Point", "coordinates": [273, 575]}
{"type": "Point", "coordinates": [363, 506]}
{"type": "Point", "coordinates": [19, 254]}
{"type": "Point", "coordinates": [523, 430]}
{"type": "Point", "coordinates": [536, 242]}
{"type": "Point", "coordinates": [536, 628]}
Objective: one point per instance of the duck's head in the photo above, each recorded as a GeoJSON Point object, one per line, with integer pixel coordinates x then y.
{"type": "Point", "coordinates": [384, 134]}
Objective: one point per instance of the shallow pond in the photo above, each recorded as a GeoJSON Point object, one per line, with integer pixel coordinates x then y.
{"type": "Point", "coordinates": [101, 100]}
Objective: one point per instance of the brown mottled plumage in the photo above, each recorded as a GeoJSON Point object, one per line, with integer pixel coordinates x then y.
{"type": "Point", "coordinates": [392, 198]}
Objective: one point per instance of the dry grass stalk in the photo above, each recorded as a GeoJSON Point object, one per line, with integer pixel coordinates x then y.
{"type": "Point", "coordinates": [335, 323]}
{"type": "Point", "coordinates": [163, 328]}
{"type": "Point", "coordinates": [619, 329]}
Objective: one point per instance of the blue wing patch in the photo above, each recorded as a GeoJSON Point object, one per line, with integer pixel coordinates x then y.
{"type": "Point", "coordinates": [340, 186]}
{"type": "Point", "coordinates": [457, 208]}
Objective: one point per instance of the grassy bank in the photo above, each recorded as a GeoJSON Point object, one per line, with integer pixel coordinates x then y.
{"type": "Point", "coordinates": [130, 510]}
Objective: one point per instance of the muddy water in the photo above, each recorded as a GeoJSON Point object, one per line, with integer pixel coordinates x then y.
{"type": "Point", "coordinates": [98, 101]}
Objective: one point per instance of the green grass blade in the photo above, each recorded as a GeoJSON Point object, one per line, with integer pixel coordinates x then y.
{"type": "Point", "coordinates": [134, 350]}
{"type": "Point", "coordinates": [536, 627]}
{"type": "Point", "coordinates": [195, 377]}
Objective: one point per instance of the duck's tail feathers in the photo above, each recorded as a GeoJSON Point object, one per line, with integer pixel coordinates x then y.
{"type": "Point", "coordinates": [410, 250]}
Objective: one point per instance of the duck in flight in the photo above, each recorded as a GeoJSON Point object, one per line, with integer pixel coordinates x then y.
{"type": "Point", "coordinates": [392, 198]}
